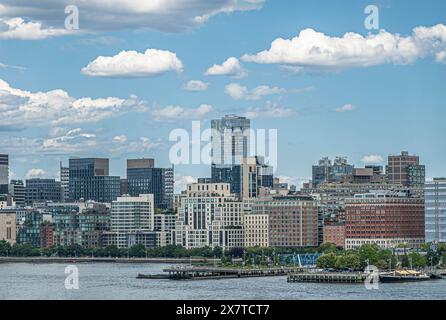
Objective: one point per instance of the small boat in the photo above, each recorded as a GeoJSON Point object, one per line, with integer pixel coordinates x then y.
{"type": "Point", "coordinates": [403, 276]}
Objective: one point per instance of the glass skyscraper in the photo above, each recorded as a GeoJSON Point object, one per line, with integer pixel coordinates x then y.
{"type": "Point", "coordinates": [435, 210]}
{"type": "Point", "coordinates": [89, 180]}
{"type": "Point", "coordinates": [144, 178]}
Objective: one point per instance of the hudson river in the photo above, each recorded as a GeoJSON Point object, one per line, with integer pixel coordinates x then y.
{"type": "Point", "coordinates": [118, 281]}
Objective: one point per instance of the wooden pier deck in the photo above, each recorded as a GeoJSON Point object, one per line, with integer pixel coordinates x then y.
{"type": "Point", "coordinates": [206, 273]}
{"type": "Point", "coordinates": [328, 277]}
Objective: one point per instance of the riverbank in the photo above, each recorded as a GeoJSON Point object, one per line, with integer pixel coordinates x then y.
{"type": "Point", "coordinates": [105, 260]}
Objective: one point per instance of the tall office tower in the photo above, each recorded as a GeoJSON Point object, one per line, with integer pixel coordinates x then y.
{"type": "Point", "coordinates": [254, 175]}
{"type": "Point", "coordinates": [435, 210]}
{"type": "Point", "coordinates": [385, 218]}
{"type": "Point", "coordinates": [89, 180]}
{"type": "Point", "coordinates": [230, 141]}
{"type": "Point", "coordinates": [144, 178]}
{"type": "Point", "coordinates": [130, 216]}
{"type": "Point", "coordinates": [230, 144]}
{"type": "Point", "coordinates": [209, 215]}
{"type": "Point", "coordinates": [41, 190]}
{"type": "Point", "coordinates": [17, 191]}
{"type": "Point", "coordinates": [292, 220]}
{"type": "Point", "coordinates": [405, 169]}
{"type": "Point", "coordinates": [65, 182]}
{"type": "Point", "coordinates": [4, 169]}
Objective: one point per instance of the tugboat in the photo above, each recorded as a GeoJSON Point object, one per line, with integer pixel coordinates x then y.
{"type": "Point", "coordinates": [403, 276]}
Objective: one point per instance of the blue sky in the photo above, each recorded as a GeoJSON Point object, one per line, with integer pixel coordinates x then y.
{"type": "Point", "coordinates": [389, 105]}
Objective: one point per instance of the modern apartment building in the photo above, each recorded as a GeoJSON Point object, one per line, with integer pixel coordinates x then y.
{"type": "Point", "coordinates": [435, 210]}
{"type": "Point", "coordinates": [144, 178]}
{"type": "Point", "coordinates": [384, 218]}
{"type": "Point", "coordinates": [326, 171]}
{"type": "Point", "coordinates": [292, 220]}
{"type": "Point", "coordinates": [131, 217]}
{"type": "Point", "coordinates": [89, 180]}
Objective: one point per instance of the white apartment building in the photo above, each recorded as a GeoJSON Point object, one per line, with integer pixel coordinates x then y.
{"type": "Point", "coordinates": [209, 215]}
{"type": "Point", "coordinates": [132, 217]}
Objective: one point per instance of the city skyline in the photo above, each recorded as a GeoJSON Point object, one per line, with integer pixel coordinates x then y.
{"type": "Point", "coordinates": [370, 106]}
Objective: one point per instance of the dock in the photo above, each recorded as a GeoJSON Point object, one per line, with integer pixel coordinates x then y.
{"type": "Point", "coordinates": [207, 273]}
{"type": "Point", "coordinates": [328, 277]}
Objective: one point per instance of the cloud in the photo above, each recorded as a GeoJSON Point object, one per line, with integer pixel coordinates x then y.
{"type": "Point", "coordinates": [56, 107]}
{"type": "Point", "coordinates": [120, 139]}
{"type": "Point", "coordinates": [271, 110]}
{"type": "Point", "coordinates": [372, 159]}
{"type": "Point", "coordinates": [316, 51]}
{"type": "Point", "coordinates": [131, 64]}
{"type": "Point", "coordinates": [195, 85]}
{"type": "Point", "coordinates": [231, 67]}
{"type": "Point", "coordinates": [239, 92]}
{"type": "Point", "coordinates": [296, 181]}
{"type": "Point", "coordinates": [35, 173]}
{"type": "Point", "coordinates": [181, 181]}
{"type": "Point", "coordinates": [346, 108]}
{"type": "Point", "coordinates": [7, 66]}
{"type": "Point", "coordinates": [170, 113]}
{"type": "Point", "coordinates": [100, 15]}
{"type": "Point", "coordinates": [18, 28]}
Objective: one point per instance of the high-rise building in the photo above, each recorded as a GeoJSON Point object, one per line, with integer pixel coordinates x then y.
{"type": "Point", "coordinates": [144, 178]}
{"type": "Point", "coordinates": [292, 220]}
{"type": "Point", "coordinates": [230, 144]}
{"type": "Point", "coordinates": [256, 229]}
{"type": "Point", "coordinates": [254, 175]}
{"type": "Point", "coordinates": [130, 218]}
{"type": "Point", "coordinates": [435, 210]}
{"type": "Point", "coordinates": [230, 140]}
{"type": "Point", "coordinates": [41, 190]}
{"type": "Point", "coordinates": [385, 218]}
{"type": "Point", "coordinates": [18, 192]}
{"type": "Point", "coordinates": [4, 169]}
{"type": "Point", "coordinates": [405, 169]}
{"type": "Point", "coordinates": [89, 180]}
{"type": "Point", "coordinates": [64, 182]}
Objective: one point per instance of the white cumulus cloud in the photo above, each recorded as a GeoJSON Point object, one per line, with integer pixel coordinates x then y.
{"type": "Point", "coordinates": [152, 62]}
{"type": "Point", "coordinates": [346, 108]}
{"type": "Point", "coordinates": [239, 92]}
{"type": "Point", "coordinates": [372, 159]}
{"type": "Point", "coordinates": [231, 67]}
{"type": "Point", "coordinates": [56, 107]}
{"type": "Point", "coordinates": [195, 85]}
{"type": "Point", "coordinates": [318, 51]}
{"type": "Point", "coordinates": [18, 28]}
{"type": "Point", "coordinates": [170, 113]}
{"type": "Point", "coordinates": [36, 173]}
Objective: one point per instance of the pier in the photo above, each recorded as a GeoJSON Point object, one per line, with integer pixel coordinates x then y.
{"type": "Point", "coordinates": [328, 277]}
{"type": "Point", "coordinates": [206, 273]}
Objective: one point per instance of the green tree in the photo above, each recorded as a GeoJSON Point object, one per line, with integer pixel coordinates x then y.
{"type": "Point", "coordinates": [138, 250]}
{"type": "Point", "coordinates": [348, 261]}
{"type": "Point", "coordinates": [327, 247]}
{"type": "Point", "coordinates": [418, 261]}
{"type": "Point", "coordinates": [327, 261]}
{"type": "Point", "coordinates": [5, 248]}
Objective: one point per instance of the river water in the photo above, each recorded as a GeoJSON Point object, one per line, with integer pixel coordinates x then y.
{"type": "Point", "coordinates": [118, 281]}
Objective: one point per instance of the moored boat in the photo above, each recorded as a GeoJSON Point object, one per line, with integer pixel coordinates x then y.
{"type": "Point", "coordinates": [403, 276]}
